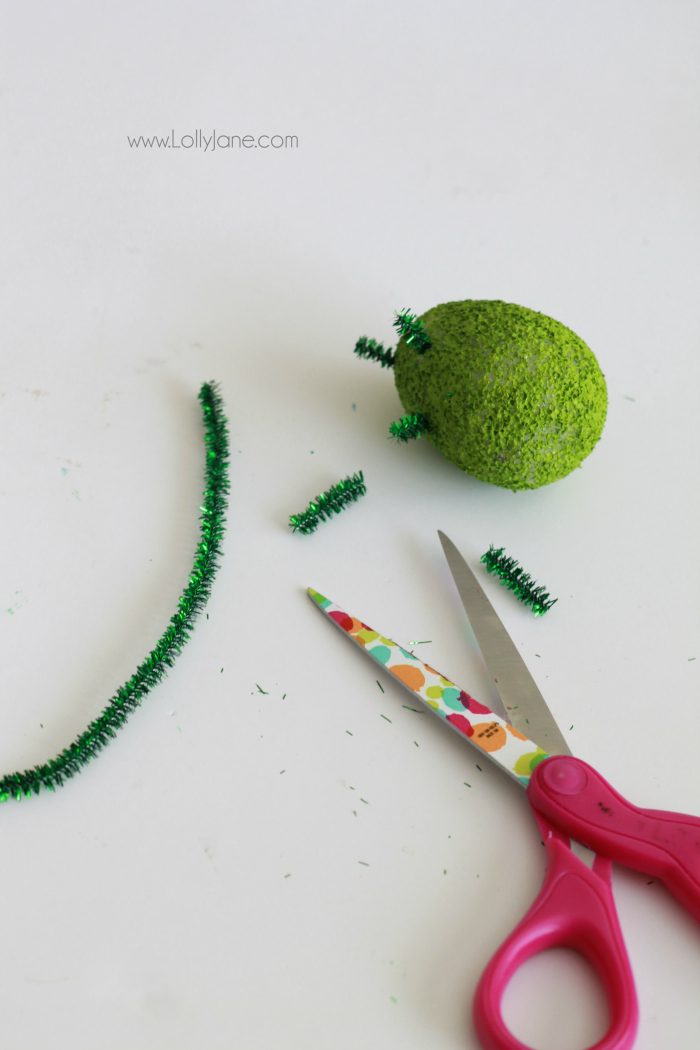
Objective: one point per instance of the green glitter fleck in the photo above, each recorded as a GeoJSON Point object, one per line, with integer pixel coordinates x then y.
{"type": "Point", "coordinates": [74, 758]}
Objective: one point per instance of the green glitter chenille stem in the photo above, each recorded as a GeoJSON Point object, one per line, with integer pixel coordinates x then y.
{"type": "Point", "coordinates": [149, 673]}
{"type": "Point", "coordinates": [371, 350]}
{"type": "Point", "coordinates": [328, 503]}
{"type": "Point", "coordinates": [412, 331]}
{"type": "Point", "coordinates": [513, 576]}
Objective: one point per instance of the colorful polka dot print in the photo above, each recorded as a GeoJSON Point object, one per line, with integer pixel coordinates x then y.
{"type": "Point", "coordinates": [499, 740]}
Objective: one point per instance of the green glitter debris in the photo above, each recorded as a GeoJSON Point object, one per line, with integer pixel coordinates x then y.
{"type": "Point", "coordinates": [149, 673]}
{"type": "Point", "coordinates": [330, 502]}
{"type": "Point", "coordinates": [412, 331]}
{"type": "Point", "coordinates": [409, 427]}
{"type": "Point", "coordinates": [514, 577]}
{"type": "Point", "coordinates": [371, 350]}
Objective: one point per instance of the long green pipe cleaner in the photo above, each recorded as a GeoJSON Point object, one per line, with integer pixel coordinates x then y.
{"type": "Point", "coordinates": [128, 697]}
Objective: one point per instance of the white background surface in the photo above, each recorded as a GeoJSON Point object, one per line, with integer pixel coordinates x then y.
{"type": "Point", "coordinates": [201, 884]}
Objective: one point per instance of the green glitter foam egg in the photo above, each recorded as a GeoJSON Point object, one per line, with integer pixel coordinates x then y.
{"type": "Point", "coordinates": [511, 396]}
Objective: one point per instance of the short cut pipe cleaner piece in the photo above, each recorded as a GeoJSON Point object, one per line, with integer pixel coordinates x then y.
{"type": "Point", "coordinates": [513, 576]}
{"type": "Point", "coordinates": [74, 758]}
{"type": "Point", "coordinates": [328, 503]}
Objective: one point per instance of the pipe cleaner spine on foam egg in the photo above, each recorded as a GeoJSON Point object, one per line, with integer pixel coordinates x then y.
{"type": "Point", "coordinates": [374, 351]}
{"type": "Point", "coordinates": [509, 395]}
{"type": "Point", "coordinates": [409, 427]}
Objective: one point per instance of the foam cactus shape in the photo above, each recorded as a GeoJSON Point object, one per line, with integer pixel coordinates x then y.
{"type": "Point", "coordinates": [509, 395]}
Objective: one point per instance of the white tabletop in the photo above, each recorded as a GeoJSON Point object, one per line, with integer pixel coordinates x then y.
{"type": "Point", "coordinates": [275, 853]}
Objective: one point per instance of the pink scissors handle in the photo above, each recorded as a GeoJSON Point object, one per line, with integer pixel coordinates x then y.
{"type": "Point", "coordinates": [581, 803]}
{"type": "Point", "coordinates": [575, 909]}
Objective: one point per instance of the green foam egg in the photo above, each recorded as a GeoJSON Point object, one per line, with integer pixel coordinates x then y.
{"type": "Point", "coordinates": [511, 396]}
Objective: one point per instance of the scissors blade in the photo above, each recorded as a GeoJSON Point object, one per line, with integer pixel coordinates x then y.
{"type": "Point", "coordinates": [492, 735]}
{"type": "Point", "coordinates": [525, 706]}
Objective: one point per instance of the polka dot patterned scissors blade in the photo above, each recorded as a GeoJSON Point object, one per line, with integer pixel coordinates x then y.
{"type": "Point", "coordinates": [570, 800]}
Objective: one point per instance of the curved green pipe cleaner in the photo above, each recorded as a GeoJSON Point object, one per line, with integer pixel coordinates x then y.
{"type": "Point", "coordinates": [98, 734]}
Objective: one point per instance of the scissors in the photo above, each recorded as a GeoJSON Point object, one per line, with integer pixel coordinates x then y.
{"type": "Point", "coordinates": [570, 800]}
